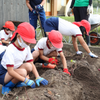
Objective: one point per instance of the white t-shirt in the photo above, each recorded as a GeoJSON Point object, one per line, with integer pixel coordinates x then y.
{"type": "Point", "coordinates": [42, 45]}
{"type": "Point", "coordinates": [15, 56]}
{"type": "Point", "coordinates": [67, 28]}
{"type": "Point", "coordinates": [2, 48]}
{"type": "Point", "coordinates": [4, 35]}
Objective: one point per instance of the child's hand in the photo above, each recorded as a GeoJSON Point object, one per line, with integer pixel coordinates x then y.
{"type": "Point", "coordinates": [41, 80]}
{"type": "Point", "coordinates": [29, 82]}
{"type": "Point", "coordinates": [79, 52]}
{"type": "Point", "coordinates": [34, 11]}
{"type": "Point", "coordinates": [66, 71]}
{"type": "Point", "coordinates": [93, 55]}
{"type": "Point", "coordinates": [39, 8]}
{"type": "Point", "coordinates": [53, 60]}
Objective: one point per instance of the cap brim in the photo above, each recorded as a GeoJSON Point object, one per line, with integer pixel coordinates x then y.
{"type": "Point", "coordinates": [33, 41]}
{"type": "Point", "coordinates": [58, 45]}
{"type": "Point", "coordinates": [10, 29]}
{"type": "Point", "coordinates": [4, 26]}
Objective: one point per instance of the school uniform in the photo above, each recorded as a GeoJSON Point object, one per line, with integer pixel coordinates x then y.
{"type": "Point", "coordinates": [4, 35]}
{"type": "Point", "coordinates": [61, 25]}
{"type": "Point", "coordinates": [13, 57]}
{"type": "Point", "coordinates": [2, 48]}
{"type": "Point", "coordinates": [42, 45]}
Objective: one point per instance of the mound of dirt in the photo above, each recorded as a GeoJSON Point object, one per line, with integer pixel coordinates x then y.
{"type": "Point", "coordinates": [83, 84]}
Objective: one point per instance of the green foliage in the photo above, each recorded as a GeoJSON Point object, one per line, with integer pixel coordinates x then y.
{"type": "Point", "coordinates": [71, 18]}
{"type": "Point", "coordinates": [96, 3]}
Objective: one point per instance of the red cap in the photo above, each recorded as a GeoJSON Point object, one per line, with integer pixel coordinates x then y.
{"type": "Point", "coordinates": [9, 25]}
{"type": "Point", "coordinates": [84, 23]}
{"type": "Point", "coordinates": [26, 31]}
{"type": "Point", "coordinates": [55, 38]}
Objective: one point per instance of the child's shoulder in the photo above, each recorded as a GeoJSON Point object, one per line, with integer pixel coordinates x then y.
{"type": "Point", "coordinates": [10, 47]}
{"type": "Point", "coordinates": [43, 39]}
{"type": "Point", "coordinates": [2, 31]}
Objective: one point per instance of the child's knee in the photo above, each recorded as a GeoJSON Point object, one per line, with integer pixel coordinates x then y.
{"type": "Point", "coordinates": [28, 67]}
{"type": "Point", "coordinates": [23, 72]}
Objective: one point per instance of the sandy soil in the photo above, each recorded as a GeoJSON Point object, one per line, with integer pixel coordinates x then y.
{"type": "Point", "coordinates": [83, 84]}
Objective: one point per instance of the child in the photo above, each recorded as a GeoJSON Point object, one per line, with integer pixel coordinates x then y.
{"type": "Point", "coordinates": [47, 48]}
{"type": "Point", "coordinates": [6, 32]}
{"type": "Point", "coordinates": [76, 30]}
{"type": "Point", "coordinates": [13, 71]}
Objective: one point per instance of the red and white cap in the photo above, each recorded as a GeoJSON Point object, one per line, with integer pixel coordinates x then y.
{"type": "Point", "coordinates": [84, 23]}
{"type": "Point", "coordinates": [9, 25]}
{"type": "Point", "coordinates": [55, 38]}
{"type": "Point", "coordinates": [26, 31]}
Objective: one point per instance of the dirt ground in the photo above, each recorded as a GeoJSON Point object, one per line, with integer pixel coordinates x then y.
{"type": "Point", "coordinates": [83, 84]}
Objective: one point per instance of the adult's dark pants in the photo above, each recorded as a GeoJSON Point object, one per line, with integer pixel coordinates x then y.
{"type": "Point", "coordinates": [80, 13]}
{"type": "Point", "coordinates": [34, 17]}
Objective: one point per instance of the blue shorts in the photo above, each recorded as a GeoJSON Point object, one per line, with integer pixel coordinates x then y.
{"type": "Point", "coordinates": [3, 71]}
{"type": "Point", "coordinates": [39, 60]}
{"type": "Point", "coordinates": [51, 24]}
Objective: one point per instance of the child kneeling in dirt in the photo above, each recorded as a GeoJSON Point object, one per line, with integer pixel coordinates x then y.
{"type": "Point", "coordinates": [6, 33]}
{"type": "Point", "coordinates": [13, 71]}
{"type": "Point", "coordinates": [47, 49]}
{"type": "Point", "coordinates": [75, 29]}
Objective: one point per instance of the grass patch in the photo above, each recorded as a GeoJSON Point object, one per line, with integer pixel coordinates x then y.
{"type": "Point", "coordinates": [70, 19]}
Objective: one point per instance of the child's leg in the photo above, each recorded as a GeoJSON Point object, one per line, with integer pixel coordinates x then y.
{"type": "Point", "coordinates": [28, 68]}
{"type": "Point", "coordinates": [10, 82]}
{"type": "Point", "coordinates": [8, 77]}
{"type": "Point", "coordinates": [23, 70]}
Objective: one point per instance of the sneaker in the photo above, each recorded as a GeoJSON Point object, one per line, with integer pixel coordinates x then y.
{"type": "Point", "coordinates": [46, 65]}
{"type": "Point", "coordinates": [5, 90]}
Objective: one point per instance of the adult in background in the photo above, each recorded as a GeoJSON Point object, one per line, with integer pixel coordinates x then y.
{"type": "Point", "coordinates": [35, 8]}
{"type": "Point", "coordinates": [81, 10]}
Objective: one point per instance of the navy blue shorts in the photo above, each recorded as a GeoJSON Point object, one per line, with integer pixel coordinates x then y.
{"type": "Point", "coordinates": [3, 71]}
{"type": "Point", "coordinates": [39, 60]}
{"type": "Point", "coordinates": [51, 24]}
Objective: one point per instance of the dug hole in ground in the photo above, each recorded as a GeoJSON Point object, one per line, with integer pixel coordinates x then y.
{"type": "Point", "coordinates": [84, 84]}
